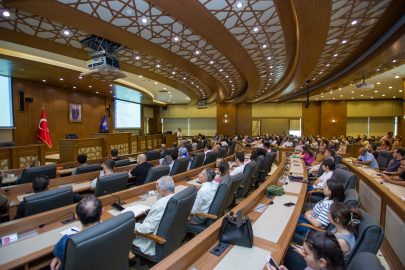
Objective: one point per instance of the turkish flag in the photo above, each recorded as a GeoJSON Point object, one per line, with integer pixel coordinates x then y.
{"type": "Point", "coordinates": [43, 131]}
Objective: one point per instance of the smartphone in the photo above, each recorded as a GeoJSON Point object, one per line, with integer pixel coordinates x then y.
{"type": "Point", "coordinates": [271, 262]}
{"type": "Point", "coordinates": [289, 204]}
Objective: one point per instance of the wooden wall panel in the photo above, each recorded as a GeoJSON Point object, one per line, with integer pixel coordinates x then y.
{"type": "Point", "coordinates": [374, 108]}
{"type": "Point", "coordinates": [56, 111]}
{"type": "Point", "coordinates": [244, 118]}
{"type": "Point", "coordinates": [230, 128]}
{"type": "Point", "coordinates": [333, 110]}
{"type": "Point", "coordinates": [311, 119]}
{"type": "Point", "coordinates": [188, 111]}
{"type": "Point", "coordinates": [292, 109]}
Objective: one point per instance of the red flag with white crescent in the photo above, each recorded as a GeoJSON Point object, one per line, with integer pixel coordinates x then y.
{"type": "Point", "coordinates": [43, 131]}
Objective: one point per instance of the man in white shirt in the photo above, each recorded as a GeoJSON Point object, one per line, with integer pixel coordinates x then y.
{"type": "Point", "coordinates": [108, 168]}
{"type": "Point", "coordinates": [179, 136]}
{"type": "Point", "coordinates": [335, 140]}
{"type": "Point", "coordinates": [288, 144]}
{"type": "Point", "coordinates": [240, 161]}
{"type": "Point", "coordinates": [329, 154]}
{"type": "Point", "coordinates": [205, 195]}
{"type": "Point", "coordinates": [223, 142]}
{"type": "Point", "coordinates": [174, 155]}
{"type": "Point", "coordinates": [266, 147]}
{"type": "Point", "coordinates": [164, 191]}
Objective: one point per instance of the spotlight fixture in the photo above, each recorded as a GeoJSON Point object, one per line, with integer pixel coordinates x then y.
{"type": "Point", "coordinates": [344, 41]}
{"type": "Point", "coordinates": [66, 32]}
{"type": "Point", "coordinates": [239, 5]}
{"type": "Point", "coordinates": [144, 20]}
{"type": "Point", "coordinates": [256, 29]}
{"type": "Point", "coordinates": [354, 22]}
{"type": "Point", "coordinates": [61, 79]}
{"type": "Point", "coordinates": [6, 13]}
{"type": "Point", "coordinates": [335, 55]}
{"type": "Point", "coordinates": [396, 77]}
{"type": "Point", "coordinates": [176, 38]}
{"type": "Point", "coordinates": [44, 80]}
{"type": "Point", "coordinates": [80, 77]}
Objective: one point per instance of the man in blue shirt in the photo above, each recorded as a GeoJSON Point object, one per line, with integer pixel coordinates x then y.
{"type": "Point", "coordinates": [366, 158]}
{"type": "Point", "coordinates": [88, 212]}
{"type": "Point", "coordinates": [215, 137]}
{"type": "Point", "coordinates": [394, 168]}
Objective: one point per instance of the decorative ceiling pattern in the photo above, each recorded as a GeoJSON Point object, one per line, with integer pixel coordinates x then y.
{"type": "Point", "coordinates": [24, 22]}
{"type": "Point", "coordinates": [255, 24]}
{"type": "Point", "coordinates": [351, 22]}
{"type": "Point", "coordinates": [143, 19]}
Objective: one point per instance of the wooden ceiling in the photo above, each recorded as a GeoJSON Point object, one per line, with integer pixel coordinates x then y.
{"type": "Point", "coordinates": [233, 51]}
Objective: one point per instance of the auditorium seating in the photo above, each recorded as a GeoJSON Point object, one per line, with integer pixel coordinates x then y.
{"type": "Point", "coordinates": [121, 163]}
{"type": "Point", "coordinates": [152, 155]}
{"type": "Point", "coordinates": [211, 157]}
{"type": "Point", "coordinates": [248, 172]}
{"type": "Point", "coordinates": [180, 165]}
{"type": "Point", "coordinates": [236, 182]}
{"type": "Point", "coordinates": [384, 158]}
{"type": "Point", "coordinates": [29, 174]}
{"type": "Point", "coordinates": [365, 260]}
{"type": "Point", "coordinates": [156, 172]}
{"type": "Point", "coordinates": [259, 163]}
{"type": "Point", "coordinates": [111, 183]}
{"type": "Point", "coordinates": [198, 160]}
{"type": "Point", "coordinates": [88, 168]}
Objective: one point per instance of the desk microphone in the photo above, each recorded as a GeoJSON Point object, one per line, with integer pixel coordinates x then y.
{"type": "Point", "coordinates": [119, 199]}
{"type": "Point", "coordinates": [63, 222]}
{"type": "Point", "coordinates": [382, 183]}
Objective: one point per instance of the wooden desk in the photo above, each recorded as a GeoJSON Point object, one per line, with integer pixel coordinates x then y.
{"type": "Point", "coordinates": [196, 253]}
{"type": "Point", "coordinates": [70, 149]}
{"type": "Point", "coordinates": [120, 141]}
{"type": "Point", "coordinates": [43, 256]}
{"type": "Point", "coordinates": [170, 139]}
{"type": "Point", "coordinates": [20, 156]}
{"type": "Point", "coordinates": [354, 150]}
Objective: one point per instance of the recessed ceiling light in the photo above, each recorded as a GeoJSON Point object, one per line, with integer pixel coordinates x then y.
{"type": "Point", "coordinates": [361, 95]}
{"type": "Point", "coordinates": [239, 5]}
{"type": "Point", "coordinates": [211, 62]}
{"type": "Point", "coordinates": [226, 76]}
{"type": "Point", "coordinates": [268, 58]}
{"type": "Point", "coordinates": [264, 46]}
{"type": "Point", "coordinates": [176, 38]}
{"type": "Point", "coordinates": [352, 97]}
{"type": "Point", "coordinates": [394, 61]}
{"type": "Point", "coordinates": [168, 92]}
{"type": "Point", "coordinates": [354, 22]}
{"type": "Point", "coordinates": [327, 65]}
{"type": "Point", "coordinates": [333, 98]}
{"type": "Point", "coordinates": [340, 88]}
{"type": "Point", "coordinates": [96, 92]}
{"type": "Point", "coordinates": [396, 77]}
{"type": "Point", "coordinates": [74, 87]}
{"type": "Point", "coordinates": [164, 88]}
{"type": "Point", "coordinates": [184, 78]}
{"type": "Point", "coordinates": [114, 96]}
{"type": "Point", "coordinates": [321, 96]}
{"type": "Point", "coordinates": [89, 86]}
{"type": "Point", "coordinates": [6, 13]}
{"type": "Point", "coordinates": [192, 82]}
{"type": "Point", "coordinates": [220, 70]}
{"type": "Point", "coordinates": [156, 83]}
{"type": "Point", "coordinates": [316, 98]}
{"type": "Point", "coordinates": [197, 52]}
{"type": "Point", "coordinates": [383, 95]}
{"type": "Point", "coordinates": [344, 41]}
{"type": "Point", "coordinates": [110, 91]}
{"type": "Point", "coordinates": [341, 95]}
{"type": "Point", "coordinates": [378, 83]}
{"type": "Point", "coordinates": [173, 72]}
{"type": "Point", "coordinates": [390, 87]}
{"type": "Point", "coordinates": [256, 29]}
{"type": "Point", "coordinates": [157, 65]}
{"type": "Point", "coordinates": [111, 85]}
{"type": "Point", "coordinates": [394, 96]}
{"type": "Point", "coordinates": [61, 79]}
{"type": "Point", "coordinates": [378, 69]}
{"type": "Point", "coordinates": [137, 57]}
{"type": "Point", "coordinates": [371, 97]}
{"type": "Point", "coordinates": [335, 55]}
{"type": "Point", "coordinates": [140, 76]}
{"type": "Point", "coordinates": [44, 80]}
{"type": "Point", "coordinates": [400, 91]}
{"type": "Point", "coordinates": [313, 79]}
{"type": "Point", "coordinates": [80, 77]}
{"type": "Point", "coordinates": [144, 20]}
{"type": "Point", "coordinates": [375, 91]}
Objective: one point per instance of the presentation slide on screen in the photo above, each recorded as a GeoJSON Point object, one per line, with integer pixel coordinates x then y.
{"type": "Point", "coordinates": [127, 114]}
{"type": "Point", "coordinates": [6, 104]}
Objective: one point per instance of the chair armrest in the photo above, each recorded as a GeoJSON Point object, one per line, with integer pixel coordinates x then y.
{"type": "Point", "coordinates": [261, 171]}
{"type": "Point", "coordinates": [153, 237]}
{"type": "Point", "coordinates": [310, 226]}
{"type": "Point", "coordinates": [204, 215]}
{"type": "Point", "coordinates": [241, 186]}
{"type": "Point", "coordinates": [311, 192]}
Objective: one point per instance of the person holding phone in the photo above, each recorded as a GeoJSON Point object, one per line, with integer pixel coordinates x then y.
{"type": "Point", "coordinates": [321, 250]}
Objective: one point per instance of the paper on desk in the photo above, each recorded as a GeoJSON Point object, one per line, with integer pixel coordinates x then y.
{"type": "Point", "coordinates": [70, 231]}
{"type": "Point", "coordinates": [194, 182]}
{"type": "Point", "coordinates": [67, 185]}
{"type": "Point", "coordinates": [137, 209]}
{"type": "Point", "coordinates": [281, 180]}
{"type": "Point", "coordinates": [21, 197]}
{"type": "Point", "coordinates": [144, 196]}
{"type": "Point", "coordinates": [260, 207]}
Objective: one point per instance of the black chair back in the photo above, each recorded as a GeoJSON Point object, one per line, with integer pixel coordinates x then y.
{"type": "Point", "coordinates": [122, 163]}
{"type": "Point", "coordinates": [29, 174]}
{"type": "Point", "coordinates": [180, 165]}
{"type": "Point", "coordinates": [337, 159]}
{"type": "Point", "coordinates": [88, 168]}
{"type": "Point", "coordinates": [222, 152]}
{"type": "Point", "coordinates": [71, 136]}
{"type": "Point", "coordinates": [7, 144]}
{"type": "Point", "coordinates": [341, 166]}
{"type": "Point", "coordinates": [111, 183]}
{"type": "Point", "coordinates": [152, 155]}
{"type": "Point", "coordinates": [352, 198]}
{"type": "Point", "coordinates": [370, 236]}
{"type": "Point", "coordinates": [211, 157]}
{"type": "Point", "coordinates": [348, 179]}
{"type": "Point", "coordinates": [199, 145]}
{"type": "Point", "coordinates": [198, 160]}
{"type": "Point", "coordinates": [48, 200]}
{"type": "Point", "coordinates": [169, 151]}
{"type": "Point", "coordinates": [204, 143]}
{"type": "Point", "coordinates": [155, 173]}
{"type": "Point", "coordinates": [259, 163]}
{"type": "Point", "coordinates": [189, 147]}
{"type": "Point", "coordinates": [348, 148]}
{"type": "Point", "coordinates": [236, 181]}
{"type": "Point", "coordinates": [365, 260]}
{"type": "Point", "coordinates": [218, 203]}
{"type": "Point", "coordinates": [384, 158]}
{"type": "Point", "coordinates": [232, 148]}
{"type": "Point", "coordinates": [173, 225]}
{"type": "Point", "coordinates": [87, 249]}
{"type": "Point", "coordinates": [248, 172]}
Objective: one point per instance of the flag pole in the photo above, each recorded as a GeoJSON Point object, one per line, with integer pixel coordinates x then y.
{"type": "Point", "coordinates": [43, 105]}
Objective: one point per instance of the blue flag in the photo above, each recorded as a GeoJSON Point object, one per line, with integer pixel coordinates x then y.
{"type": "Point", "coordinates": [104, 123]}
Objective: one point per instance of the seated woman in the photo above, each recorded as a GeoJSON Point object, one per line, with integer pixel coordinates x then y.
{"type": "Point", "coordinates": [342, 148]}
{"type": "Point", "coordinates": [328, 166]}
{"type": "Point", "coordinates": [331, 145]}
{"type": "Point", "coordinates": [314, 143]}
{"type": "Point", "coordinates": [31, 164]}
{"type": "Point", "coordinates": [253, 156]}
{"type": "Point", "coordinates": [318, 216]}
{"type": "Point", "coordinates": [184, 153]}
{"type": "Point", "coordinates": [223, 169]}
{"type": "Point", "coordinates": [385, 146]}
{"type": "Point", "coordinates": [346, 219]}
{"type": "Point", "coordinates": [306, 155]}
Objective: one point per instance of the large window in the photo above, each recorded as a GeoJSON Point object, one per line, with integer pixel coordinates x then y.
{"type": "Point", "coordinates": [371, 126]}
{"type": "Point", "coordinates": [6, 104]}
{"type": "Point", "coordinates": [295, 127]}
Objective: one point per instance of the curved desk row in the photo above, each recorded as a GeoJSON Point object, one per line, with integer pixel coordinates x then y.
{"type": "Point", "coordinates": [36, 252]}
{"type": "Point", "coordinates": [272, 229]}
{"type": "Point", "coordinates": [384, 204]}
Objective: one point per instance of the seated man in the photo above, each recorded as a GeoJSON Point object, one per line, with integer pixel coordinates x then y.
{"type": "Point", "coordinates": [364, 142]}
{"type": "Point", "coordinates": [40, 184]}
{"type": "Point", "coordinates": [114, 155]}
{"type": "Point", "coordinates": [331, 145]}
{"type": "Point", "coordinates": [162, 150]}
{"type": "Point", "coordinates": [108, 168]}
{"type": "Point", "coordinates": [174, 156]}
{"type": "Point", "coordinates": [266, 147]}
{"type": "Point", "coordinates": [82, 159]}
{"type": "Point", "coordinates": [329, 153]}
{"type": "Point", "coordinates": [140, 171]}
{"type": "Point", "coordinates": [149, 149]}
{"type": "Point", "coordinates": [164, 191]}
{"type": "Point", "coordinates": [240, 161]}
{"type": "Point", "coordinates": [396, 179]}
{"type": "Point", "coordinates": [205, 195]}
{"type": "Point", "coordinates": [366, 158]}
{"type": "Point", "coordinates": [215, 137]}
{"type": "Point", "coordinates": [207, 149]}
{"type": "Point", "coordinates": [319, 157]}
{"type": "Point", "coordinates": [394, 168]}
{"type": "Point", "coordinates": [372, 139]}
{"type": "Point", "coordinates": [372, 148]}
{"type": "Point", "coordinates": [4, 202]}
{"type": "Point", "coordinates": [194, 145]}
{"type": "Point", "coordinates": [335, 140]}
{"type": "Point", "coordinates": [88, 212]}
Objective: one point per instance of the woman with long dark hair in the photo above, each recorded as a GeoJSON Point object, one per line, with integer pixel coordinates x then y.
{"type": "Point", "coordinates": [306, 154]}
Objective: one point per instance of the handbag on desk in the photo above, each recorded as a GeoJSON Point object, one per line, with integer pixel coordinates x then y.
{"type": "Point", "coordinates": [236, 231]}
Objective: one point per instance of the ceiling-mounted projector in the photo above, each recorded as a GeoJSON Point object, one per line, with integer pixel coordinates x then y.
{"type": "Point", "coordinates": [104, 61]}
{"type": "Point", "coordinates": [364, 85]}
